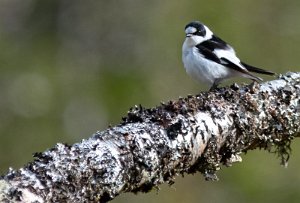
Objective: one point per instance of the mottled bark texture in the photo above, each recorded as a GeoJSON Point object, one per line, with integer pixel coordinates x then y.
{"type": "Point", "coordinates": [153, 146]}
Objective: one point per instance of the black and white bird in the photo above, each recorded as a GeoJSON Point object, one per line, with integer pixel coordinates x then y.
{"type": "Point", "coordinates": [210, 60]}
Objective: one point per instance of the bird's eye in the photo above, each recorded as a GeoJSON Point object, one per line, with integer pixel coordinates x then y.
{"type": "Point", "coordinates": [201, 32]}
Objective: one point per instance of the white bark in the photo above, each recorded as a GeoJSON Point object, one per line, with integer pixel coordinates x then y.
{"type": "Point", "coordinates": [152, 146]}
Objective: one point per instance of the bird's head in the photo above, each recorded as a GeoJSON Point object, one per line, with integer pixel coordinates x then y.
{"type": "Point", "coordinates": [196, 32]}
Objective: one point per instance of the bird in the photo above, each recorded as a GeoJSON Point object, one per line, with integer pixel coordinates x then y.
{"type": "Point", "coordinates": [210, 60]}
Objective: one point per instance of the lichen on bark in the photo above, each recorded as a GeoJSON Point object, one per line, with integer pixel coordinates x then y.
{"type": "Point", "coordinates": [152, 146]}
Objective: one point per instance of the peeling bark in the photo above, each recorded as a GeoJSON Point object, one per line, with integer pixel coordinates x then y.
{"type": "Point", "coordinates": [153, 146]}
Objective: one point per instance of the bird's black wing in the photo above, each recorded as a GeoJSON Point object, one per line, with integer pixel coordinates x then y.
{"type": "Point", "coordinates": [207, 48]}
{"type": "Point", "coordinates": [217, 43]}
{"type": "Point", "coordinates": [208, 53]}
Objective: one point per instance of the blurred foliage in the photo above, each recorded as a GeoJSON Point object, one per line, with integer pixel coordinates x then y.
{"type": "Point", "coordinates": [70, 68]}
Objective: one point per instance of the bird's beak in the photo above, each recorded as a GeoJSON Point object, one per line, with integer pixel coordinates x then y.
{"type": "Point", "coordinates": [188, 35]}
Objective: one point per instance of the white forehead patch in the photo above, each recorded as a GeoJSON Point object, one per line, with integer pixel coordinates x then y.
{"type": "Point", "coordinates": [190, 30]}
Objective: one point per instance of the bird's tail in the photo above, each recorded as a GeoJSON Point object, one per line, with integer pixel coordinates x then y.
{"type": "Point", "coordinates": [257, 70]}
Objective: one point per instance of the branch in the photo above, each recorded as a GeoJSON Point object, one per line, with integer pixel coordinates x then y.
{"type": "Point", "coordinates": [152, 146]}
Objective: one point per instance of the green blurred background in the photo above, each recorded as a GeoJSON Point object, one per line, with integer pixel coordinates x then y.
{"type": "Point", "coordinates": [70, 68]}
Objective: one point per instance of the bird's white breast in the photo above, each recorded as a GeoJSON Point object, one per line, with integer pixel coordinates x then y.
{"type": "Point", "coordinates": [200, 68]}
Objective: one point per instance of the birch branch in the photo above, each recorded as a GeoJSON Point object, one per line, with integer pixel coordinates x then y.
{"type": "Point", "coordinates": [152, 146]}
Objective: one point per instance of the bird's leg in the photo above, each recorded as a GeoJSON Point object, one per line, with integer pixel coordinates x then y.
{"type": "Point", "coordinates": [214, 86]}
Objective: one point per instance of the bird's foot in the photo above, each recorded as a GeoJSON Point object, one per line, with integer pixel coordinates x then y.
{"type": "Point", "coordinates": [213, 87]}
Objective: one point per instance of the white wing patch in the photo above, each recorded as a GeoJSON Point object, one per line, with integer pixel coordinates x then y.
{"type": "Point", "coordinates": [229, 54]}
